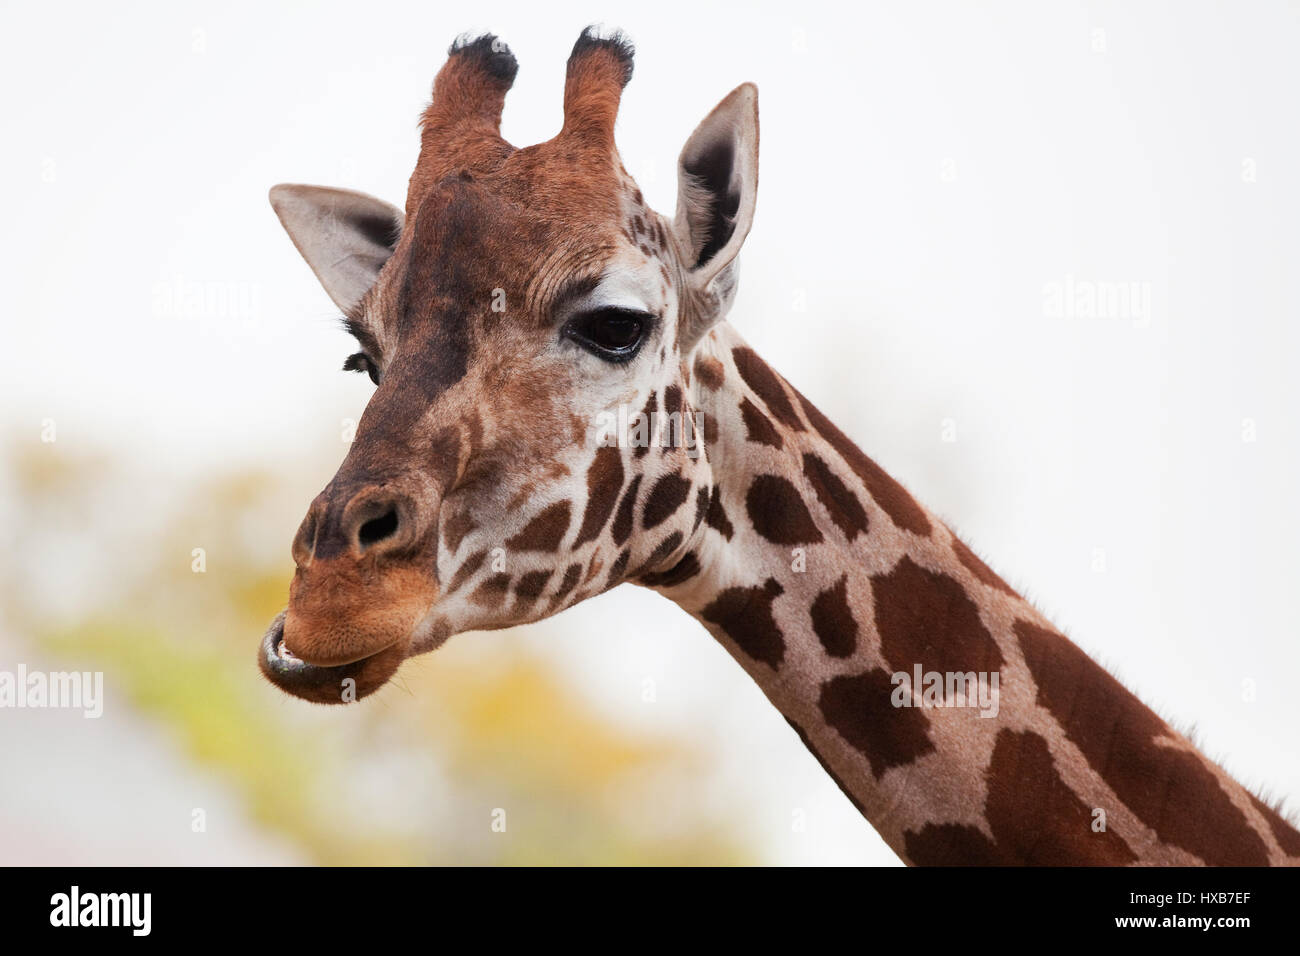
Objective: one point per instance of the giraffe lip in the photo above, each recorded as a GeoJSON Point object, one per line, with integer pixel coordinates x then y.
{"type": "Point", "coordinates": [279, 662]}
{"type": "Point", "coordinates": [324, 684]}
{"type": "Point", "coordinates": [278, 658]}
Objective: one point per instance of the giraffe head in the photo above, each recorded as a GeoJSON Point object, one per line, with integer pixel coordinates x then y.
{"type": "Point", "coordinates": [527, 321]}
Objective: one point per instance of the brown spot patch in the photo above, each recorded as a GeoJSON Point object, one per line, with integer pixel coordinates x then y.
{"type": "Point", "coordinates": [952, 844]}
{"type": "Point", "coordinates": [836, 497]}
{"type": "Point", "coordinates": [571, 575]}
{"type": "Point", "coordinates": [531, 585]}
{"type": "Point", "coordinates": [668, 494]}
{"type": "Point", "coordinates": [545, 531]}
{"type": "Point", "coordinates": [928, 619]}
{"type": "Point", "coordinates": [651, 412]}
{"type": "Point", "coordinates": [673, 400]}
{"type": "Point", "coordinates": [701, 506]}
{"type": "Point", "coordinates": [604, 479]}
{"type": "Point", "coordinates": [665, 548]}
{"type": "Point", "coordinates": [456, 527]}
{"type": "Point", "coordinates": [708, 427]}
{"type": "Point", "coordinates": [578, 426]}
{"type": "Point", "coordinates": [832, 620]}
{"type": "Point", "coordinates": [1035, 818]}
{"type": "Point", "coordinates": [466, 570]}
{"type": "Point", "coordinates": [971, 562]}
{"type": "Point", "coordinates": [745, 616]}
{"type": "Point", "coordinates": [444, 452]}
{"type": "Point", "coordinates": [618, 569]}
{"type": "Point", "coordinates": [622, 528]}
{"type": "Point", "coordinates": [716, 516]}
{"type": "Point", "coordinates": [1171, 791]}
{"type": "Point", "coordinates": [1287, 836]}
{"type": "Point", "coordinates": [758, 375]}
{"type": "Point", "coordinates": [758, 427]}
{"type": "Point", "coordinates": [778, 513]}
{"type": "Point", "coordinates": [492, 592]}
{"type": "Point", "coordinates": [710, 372]}
{"type": "Point", "coordinates": [859, 709]}
{"type": "Point", "coordinates": [892, 497]}
{"type": "Point", "coordinates": [683, 570]}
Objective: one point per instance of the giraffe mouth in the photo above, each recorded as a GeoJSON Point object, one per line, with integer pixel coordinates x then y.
{"type": "Point", "coordinates": [341, 684]}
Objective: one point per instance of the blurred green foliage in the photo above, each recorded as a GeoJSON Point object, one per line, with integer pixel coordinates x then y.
{"type": "Point", "coordinates": [413, 775]}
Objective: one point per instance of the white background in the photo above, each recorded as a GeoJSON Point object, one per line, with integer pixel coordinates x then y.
{"type": "Point", "coordinates": [928, 170]}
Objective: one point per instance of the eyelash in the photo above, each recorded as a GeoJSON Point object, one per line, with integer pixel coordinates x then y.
{"type": "Point", "coordinates": [361, 362]}
{"type": "Point", "coordinates": [587, 329]}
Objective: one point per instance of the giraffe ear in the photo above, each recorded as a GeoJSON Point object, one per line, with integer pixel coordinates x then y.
{"type": "Point", "coordinates": [346, 237]}
{"type": "Point", "coordinates": [717, 184]}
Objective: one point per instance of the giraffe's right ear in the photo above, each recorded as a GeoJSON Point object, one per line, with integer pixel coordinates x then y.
{"type": "Point", "coordinates": [717, 185]}
{"type": "Point", "coordinates": [346, 237]}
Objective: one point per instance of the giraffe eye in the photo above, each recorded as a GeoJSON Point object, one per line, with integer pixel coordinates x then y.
{"type": "Point", "coordinates": [614, 334]}
{"type": "Point", "coordinates": [361, 362]}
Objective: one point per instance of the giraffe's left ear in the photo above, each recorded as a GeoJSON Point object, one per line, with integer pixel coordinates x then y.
{"type": "Point", "coordinates": [717, 184]}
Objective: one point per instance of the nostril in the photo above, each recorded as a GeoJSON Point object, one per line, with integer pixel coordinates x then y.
{"type": "Point", "coordinates": [378, 529]}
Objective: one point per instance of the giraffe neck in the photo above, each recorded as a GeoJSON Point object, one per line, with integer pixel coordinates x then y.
{"type": "Point", "coordinates": [834, 589]}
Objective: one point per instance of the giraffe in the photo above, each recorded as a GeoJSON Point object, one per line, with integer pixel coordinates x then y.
{"type": "Point", "coordinates": [522, 296]}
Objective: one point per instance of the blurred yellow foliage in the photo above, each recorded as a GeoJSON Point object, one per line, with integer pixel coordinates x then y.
{"type": "Point", "coordinates": [472, 740]}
